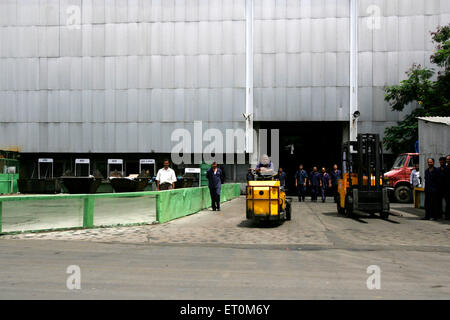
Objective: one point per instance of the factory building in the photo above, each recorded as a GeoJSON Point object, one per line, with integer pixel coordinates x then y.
{"type": "Point", "coordinates": [103, 79]}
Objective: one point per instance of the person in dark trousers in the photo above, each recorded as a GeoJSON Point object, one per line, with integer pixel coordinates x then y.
{"type": "Point", "coordinates": [447, 188]}
{"type": "Point", "coordinates": [335, 175]}
{"type": "Point", "coordinates": [432, 176]}
{"type": "Point", "coordinates": [325, 183]}
{"type": "Point", "coordinates": [215, 177]}
{"type": "Point", "coordinates": [250, 175]}
{"type": "Point", "coordinates": [301, 178]}
{"type": "Point", "coordinates": [282, 177]}
{"type": "Point", "coordinates": [442, 173]}
{"type": "Point", "coordinates": [314, 183]}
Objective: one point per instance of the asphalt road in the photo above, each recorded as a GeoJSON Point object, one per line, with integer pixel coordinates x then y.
{"type": "Point", "coordinates": [318, 255]}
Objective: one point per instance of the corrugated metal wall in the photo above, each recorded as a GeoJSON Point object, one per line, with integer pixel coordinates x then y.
{"type": "Point", "coordinates": [137, 69]}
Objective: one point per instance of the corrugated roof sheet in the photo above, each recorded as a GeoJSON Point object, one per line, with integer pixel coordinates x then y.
{"type": "Point", "coordinates": [443, 120]}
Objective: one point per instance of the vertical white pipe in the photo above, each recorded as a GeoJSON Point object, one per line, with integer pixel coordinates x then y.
{"type": "Point", "coordinates": [353, 68]}
{"type": "Point", "coordinates": [249, 78]}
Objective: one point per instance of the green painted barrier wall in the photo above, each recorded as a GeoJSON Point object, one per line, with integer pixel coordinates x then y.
{"type": "Point", "coordinates": [179, 203]}
{"type": "Point", "coordinates": [170, 205]}
{"type": "Point", "coordinates": [5, 183]}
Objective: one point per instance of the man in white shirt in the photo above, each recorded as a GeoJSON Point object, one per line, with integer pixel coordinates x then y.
{"type": "Point", "coordinates": [166, 178]}
{"type": "Point", "coordinates": [414, 179]}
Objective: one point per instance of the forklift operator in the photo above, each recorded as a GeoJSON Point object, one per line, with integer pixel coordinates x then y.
{"type": "Point", "coordinates": [265, 165]}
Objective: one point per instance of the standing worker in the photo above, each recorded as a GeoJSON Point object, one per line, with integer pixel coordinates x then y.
{"type": "Point", "coordinates": [282, 177]}
{"type": "Point", "coordinates": [442, 173]}
{"type": "Point", "coordinates": [447, 188]}
{"type": "Point", "coordinates": [335, 175]}
{"type": "Point", "coordinates": [431, 191]}
{"type": "Point", "coordinates": [325, 182]}
{"type": "Point", "coordinates": [166, 178]}
{"type": "Point", "coordinates": [414, 179]}
{"type": "Point", "coordinates": [314, 183]}
{"type": "Point", "coordinates": [215, 177]}
{"type": "Point", "coordinates": [301, 177]}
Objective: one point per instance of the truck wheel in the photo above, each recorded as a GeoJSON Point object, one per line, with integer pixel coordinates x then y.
{"type": "Point", "coordinates": [403, 194]}
{"type": "Point", "coordinates": [288, 211]}
{"type": "Point", "coordinates": [341, 211]}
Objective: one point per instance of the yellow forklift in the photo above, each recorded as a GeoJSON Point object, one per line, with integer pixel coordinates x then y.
{"type": "Point", "coordinates": [362, 187]}
{"type": "Point", "coordinates": [266, 199]}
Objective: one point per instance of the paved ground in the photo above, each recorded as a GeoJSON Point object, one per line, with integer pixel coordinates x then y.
{"type": "Point", "coordinates": [214, 255]}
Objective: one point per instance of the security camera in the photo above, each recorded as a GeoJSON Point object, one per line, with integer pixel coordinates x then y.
{"type": "Point", "coordinates": [356, 114]}
{"type": "Point", "coordinates": [247, 116]}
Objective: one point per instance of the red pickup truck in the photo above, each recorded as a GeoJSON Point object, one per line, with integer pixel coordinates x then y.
{"type": "Point", "coordinates": [398, 177]}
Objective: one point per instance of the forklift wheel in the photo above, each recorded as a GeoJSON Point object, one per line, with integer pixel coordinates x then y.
{"type": "Point", "coordinates": [384, 215]}
{"type": "Point", "coordinates": [341, 211]}
{"type": "Point", "coordinates": [349, 207]}
{"type": "Point", "coordinates": [288, 211]}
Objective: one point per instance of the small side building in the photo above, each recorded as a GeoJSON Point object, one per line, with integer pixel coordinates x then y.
{"type": "Point", "coordinates": [434, 142]}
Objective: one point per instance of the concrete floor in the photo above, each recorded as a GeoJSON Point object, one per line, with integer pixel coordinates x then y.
{"type": "Point", "coordinates": [210, 255]}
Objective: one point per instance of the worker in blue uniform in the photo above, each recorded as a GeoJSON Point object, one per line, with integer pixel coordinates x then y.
{"type": "Point", "coordinates": [335, 175]}
{"type": "Point", "coordinates": [325, 183]}
{"type": "Point", "coordinates": [314, 183]}
{"type": "Point", "coordinates": [301, 178]}
{"type": "Point", "coordinates": [215, 177]}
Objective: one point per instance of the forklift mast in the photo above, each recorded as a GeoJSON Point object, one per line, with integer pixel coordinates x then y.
{"type": "Point", "coordinates": [365, 157]}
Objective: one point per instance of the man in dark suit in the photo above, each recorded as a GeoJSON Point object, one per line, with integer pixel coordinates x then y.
{"type": "Point", "coordinates": [215, 178]}
{"type": "Point", "coordinates": [432, 180]}
{"type": "Point", "coordinates": [447, 188]}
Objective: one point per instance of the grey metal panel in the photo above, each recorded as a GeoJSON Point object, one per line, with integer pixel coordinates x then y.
{"type": "Point", "coordinates": [215, 37]}
{"type": "Point", "coordinates": [293, 70]}
{"type": "Point", "coordinates": [27, 12]}
{"type": "Point", "coordinates": [52, 73]}
{"type": "Point", "coordinates": [305, 69]}
{"type": "Point", "coordinates": [365, 68]}
{"type": "Point", "coordinates": [86, 106]}
{"type": "Point", "coordinates": [343, 103]}
{"type": "Point", "coordinates": [227, 71]}
{"type": "Point", "coordinates": [365, 35]}
{"type": "Point", "coordinates": [317, 103]}
{"type": "Point", "coordinates": [410, 7]}
{"type": "Point", "coordinates": [380, 69]}
{"type": "Point", "coordinates": [110, 72]}
{"type": "Point", "coordinates": [144, 72]}
{"type": "Point", "coordinates": [268, 36]}
{"type": "Point", "coordinates": [305, 35]}
{"type": "Point", "coordinates": [179, 38]}
{"type": "Point", "coordinates": [191, 71]}
{"type": "Point", "coordinates": [121, 106]}
{"type": "Point", "coordinates": [98, 73]}
{"type": "Point", "coordinates": [343, 69]}
{"type": "Point", "coordinates": [227, 105]}
{"type": "Point", "coordinates": [133, 10]}
{"type": "Point", "coordinates": [365, 103]}
{"type": "Point", "coordinates": [132, 106]}
{"type": "Point", "coordinates": [99, 105]}
{"type": "Point", "coordinates": [318, 69]}
{"type": "Point", "coordinates": [331, 103]}
{"type": "Point", "coordinates": [239, 37]}
{"type": "Point", "coordinates": [190, 102]}
{"type": "Point", "coordinates": [203, 38]}
{"type": "Point", "coordinates": [168, 10]}
{"type": "Point", "coordinates": [191, 8]}
{"type": "Point", "coordinates": [132, 39]}
{"type": "Point", "coordinates": [343, 34]}
{"type": "Point", "coordinates": [156, 105]}
{"type": "Point", "coordinates": [167, 65]}
{"type": "Point", "coordinates": [215, 71]}
{"type": "Point", "coordinates": [167, 104]}
{"type": "Point", "coordinates": [48, 41]}
{"type": "Point", "coordinates": [76, 73]}
{"type": "Point", "coordinates": [280, 39]}
{"type": "Point", "coordinates": [215, 10]}
{"type": "Point", "coordinates": [215, 105]}
{"type": "Point", "coordinates": [268, 70]}
{"type": "Point", "coordinates": [280, 70]}
{"type": "Point", "coordinates": [121, 72]}
{"type": "Point", "coordinates": [331, 35]}
{"type": "Point", "coordinates": [133, 72]}
{"type": "Point", "coordinates": [238, 104]}
{"type": "Point", "coordinates": [203, 71]}
{"type": "Point", "coordinates": [202, 109]}
{"type": "Point", "coordinates": [317, 9]}
{"type": "Point", "coordinates": [178, 105]}
{"type": "Point", "coordinates": [330, 69]}
{"type": "Point", "coordinates": [70, 42]}
{"type": "Point", "coordinates": [75, 105]}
